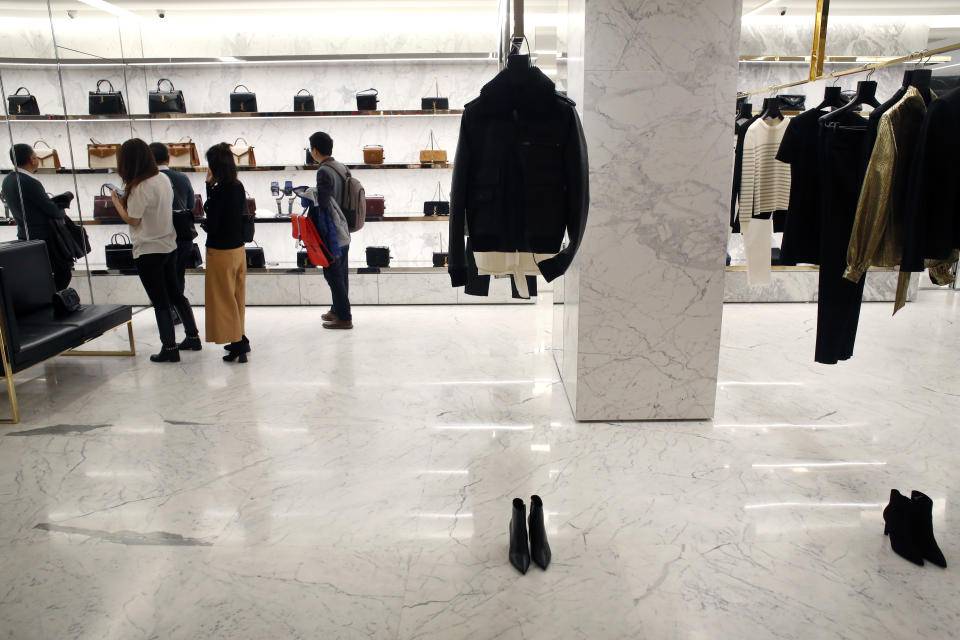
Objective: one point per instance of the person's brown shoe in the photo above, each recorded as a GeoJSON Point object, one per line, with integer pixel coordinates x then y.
{"type": "Point", "coordinates": [329, 316]}
{"type": "Point", "coordinates": [338, 324]}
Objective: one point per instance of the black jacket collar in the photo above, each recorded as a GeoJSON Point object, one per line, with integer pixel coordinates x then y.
{"type": "Point", "coordinates": [526, 90]}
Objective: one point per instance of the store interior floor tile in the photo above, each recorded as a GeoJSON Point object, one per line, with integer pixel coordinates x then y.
{"type": "Point", "coordinates": [358, 485]}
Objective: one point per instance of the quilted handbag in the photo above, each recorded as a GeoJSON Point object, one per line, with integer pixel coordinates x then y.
{"type": "Point", "coordinates": [106, 102]}
{"type": "Point", "coordinates": [792, 102]}
{"type": "Point", "coordinates": [103, 208]}
{"type": "Point", "coordinates": [367, 100]}
{"type": "Point", "coordinates": [373, 154]}
{"type": "Point", "coordinates": [171, 101]}
{"type": "Point", "coordinates": [306, 233]}
{"type": "Point", "coordinates": [433, 155]}
{"type": "Point", "coordinates": [49, 158]}
{"type": "Point", "coordinates": [439, 207]}
{"type": "Point", "coordinates": [303, 102]}
{"type": "Point", "coordinates": [119, 253]}
{"type": "Point", "coordinates": [243, 101]}
{"type": "Point", "coordinates": [183, 154]}
{"type": "Point", "coordinates": [255, 257]}
{"type": "Point", "coordinates": [22, 105]}
{"type": "Point", "coordinates": [243, 154]}
{"type": "Point", "coordinates": [102, 156]}
{"type": "Point", "coordinates": [436, 103]}
{"type": "Point", "coordinates": [65, 302]}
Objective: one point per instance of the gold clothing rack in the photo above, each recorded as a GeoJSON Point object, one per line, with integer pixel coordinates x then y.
{"type": "Point", "coordinates": [921, 55]}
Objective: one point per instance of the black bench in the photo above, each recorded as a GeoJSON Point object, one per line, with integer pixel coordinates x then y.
{"type": "Point", "coordinates": [30, 332]}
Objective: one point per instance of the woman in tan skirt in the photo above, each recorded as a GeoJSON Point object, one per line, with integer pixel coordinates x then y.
{"type": "Point", "coordinates": [226, 271]}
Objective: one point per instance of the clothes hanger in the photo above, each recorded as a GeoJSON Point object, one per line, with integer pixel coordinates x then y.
{"type": "Point", "coordinates": [771, 108]}
{"type": "Point", "coordinates": [920, 78]}
{"type": "Point", "coordinates": [866, 94]}
{"type": "Point", "coordinates": [744, 110]}
{"type": "Point", "coordinates": [832, 97]}
{"type": "Point", "coordinates": [517, 61]}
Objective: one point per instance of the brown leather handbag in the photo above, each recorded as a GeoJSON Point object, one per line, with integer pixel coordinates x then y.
{"type": "Point", "coordinates": [433, 155]}
{"type": "Point", "coordinates": [183, 154]}
{"type": "Point", "coordinates": [49, 158]}
{"type": "Point", "coordinates": [102, 156]}
{"type": "Point", "coordinates": [373, 154]}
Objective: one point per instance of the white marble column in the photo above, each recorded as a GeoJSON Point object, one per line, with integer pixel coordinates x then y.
{"type": "Point", "coordinates": [643, 301]}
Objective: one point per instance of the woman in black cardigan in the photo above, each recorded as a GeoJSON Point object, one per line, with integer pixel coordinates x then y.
{"type": "Point", "coordinates": [226, 272]}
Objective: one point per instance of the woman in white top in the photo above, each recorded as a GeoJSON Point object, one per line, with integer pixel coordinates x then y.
{"type": "Point", "coordinates": [146, 204]}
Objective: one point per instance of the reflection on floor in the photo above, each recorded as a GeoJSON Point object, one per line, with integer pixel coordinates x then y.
{"type": "Point", "coordinates": [358, 485]}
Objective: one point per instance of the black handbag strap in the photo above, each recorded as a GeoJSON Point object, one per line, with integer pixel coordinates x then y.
{"type": "Point", "coordinates": [161, 81]}
{"type": "Point", "coordinates": [17, 92]}
{"type": "Point", "coordinates": [302, 90]}
{"type": "Point", "coordinates": [366, 92]}
{"type": "Point", "coordinates": [235, 88]}
{"type": "Point", "coordinates": [109, 84]}
{"type": "Point", "coordinates": [102, 191]}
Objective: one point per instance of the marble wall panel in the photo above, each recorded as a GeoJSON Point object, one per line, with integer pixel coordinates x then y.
{"type": "Point", "coordinates": [846, 36]}
{"type": "Point", "coordinates": [416, 288]}
{"type": "Point", "coordinates": [802, 286]}
{"type": "Point", "coordinates": [651, 266]}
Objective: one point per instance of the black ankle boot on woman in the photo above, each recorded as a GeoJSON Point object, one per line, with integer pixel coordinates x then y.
{"type": "Point", "coordinates": [171, 354]}
{"type": "Point", "coordinates": [237, 351]}
{"type": "Point", "coordinates": [241, 344]}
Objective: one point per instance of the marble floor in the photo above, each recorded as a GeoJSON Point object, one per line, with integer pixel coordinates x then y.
{"type": "Point", "coordinates": [358, 485]}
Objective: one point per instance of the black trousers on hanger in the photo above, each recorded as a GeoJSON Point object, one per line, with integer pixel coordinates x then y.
{"type": "Point", "coordinates": [838, 310]}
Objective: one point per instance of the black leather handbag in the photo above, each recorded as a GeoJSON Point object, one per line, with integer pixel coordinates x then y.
{"type": "Point", "coordinates": [303, 102]}
{"type": "Point", "coordinates": [119, 252]}
{"type": "Point", "coordinates": [255, 258]}
{"type": "Point", "coordinates": [367, 100]}
{"type": "Point", "coordinates": [378, 256]}
{"type": "Point", "coordinates": [106, 103]}
{"type": "Point", "coordinates": [243, 101]}
{"type": "Point", "coordinates": [310, 159]}
{"type": "Point", "coordinates": [792, 102]}
{"type": "Point", "coordinates": [303, 260]}
{"type": "Point", "coordinates": [435, 103]}
{"type": "Point", "coordinates": [171, 101]}
{"type": "Point", "coordinates": [441, 258]}
{"type": "Point", "coordinates": [440, 207]}
{"type": "Point", "coordinates": [65, 302]}
{"type": "Point", "coordinates": [22, 105]}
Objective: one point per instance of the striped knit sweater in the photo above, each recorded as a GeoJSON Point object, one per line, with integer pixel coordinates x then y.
{"type": "Point", "coordinates": [765, 181]}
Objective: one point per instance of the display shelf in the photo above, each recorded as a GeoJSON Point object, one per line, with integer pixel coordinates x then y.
{"type": "Point", "coordinates": [342, 58]}
{"type": "Point", "coordinates": [10, 222]}
{"type": "Point", "coordinates": [265, 167]}
{"type": "Point", "coordinates": [143, 117]}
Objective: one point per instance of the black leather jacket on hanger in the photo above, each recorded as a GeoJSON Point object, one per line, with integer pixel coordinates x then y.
{"type": "Point", "coordinates": [520, 178]}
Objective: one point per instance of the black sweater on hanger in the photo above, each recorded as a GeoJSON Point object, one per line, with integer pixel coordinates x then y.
{"type": "Point", "coordinates": [520, 177]}
{"type": "Point", "coordinates": [741, 130]}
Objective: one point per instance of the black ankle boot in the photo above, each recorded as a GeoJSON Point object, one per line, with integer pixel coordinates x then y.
{"type": "Point", "coordinates": [901, 525]}
{"type": "Point", "coordinates": [923, 530]}
{"type": "Point", "coordinates": [539, 548]}
{"type": "Point", "coordinates": [519, 549]}
{"type": "Point", "coordinates": [191, 343]}
{"type": "Point", "coordinates": [167, 355]}
{"type": "Point", "coordinates": [243, 344]}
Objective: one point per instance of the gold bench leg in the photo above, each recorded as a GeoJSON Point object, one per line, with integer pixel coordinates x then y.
{"type": "Point", "coordinates": [132, 351]}
{"type": "Point", "coordinates": [11, 391]}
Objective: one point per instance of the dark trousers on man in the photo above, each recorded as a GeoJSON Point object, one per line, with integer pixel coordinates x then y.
{"type": "Point", "coordinates": [338, 277]}
{"type": "Point", "coordinates": [158, 273]}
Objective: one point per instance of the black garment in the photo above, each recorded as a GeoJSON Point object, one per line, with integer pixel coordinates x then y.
{"type": "Point", "coordinates": [62, 275]}
{"type": "Point", "coordinates": [224, 209]}
{"type": "Point", "coordinates": [741, 131]}
{"type": "Point", "coordinates": [183, 254]}
{"type": "Point", "coordinates": [931, 228]}
{"type": "Point", "coordinates": [838, 309]}
{"type": "Point", "coordinates": [520, 177]}
{"type": "Point", "coordinates": [336, 276]}
{"type": "Point", "coordinates": [801, 234]}
{"type": "Point", "coordinates": [345, 256]}
{"type": "Point", "coordinates": [158, 274]}
{"type": "Point", "coordinates": [183, 196]}
{"type": "Point", "coordinates": [37, 206]}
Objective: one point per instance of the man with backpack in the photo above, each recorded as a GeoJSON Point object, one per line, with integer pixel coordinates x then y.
{"type": "Point", "coordinates": [342, 196]}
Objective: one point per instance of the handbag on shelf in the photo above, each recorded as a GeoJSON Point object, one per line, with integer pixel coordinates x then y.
{"type": "Point", "coordinates": [439, 207]}
{"type": "Point", "coordinates": [255, 257]}
{"type": "Point", "coordinates": [65, 302]}
{"type": "Point", "coordinates": [249, 219]}
{"type": "Point", "coordinates": [102, 156]}
{"type": "Point", "coordinates": [243, 154]}
{"type": "Point", "coordinates": [303, 103]}
{"type": "Point", "coordinates": [119, 252]}
{"type": "Point", "coordinates": [22, 105]}
{"type": "Point", "coordinates": [376, 206]}
{"type": "Point", "coordinates": [433, 155]}
{"type": "Point", "coordinates": [309, 159]}
{"type": "Point", "coordinates": [316, 251]}
{"type": "Point", "coordinates": [107, 103]}
{"type": "Point", "coordinates": [367, 100]}
{"type": "Point", "coordinates": [792, 102]}
{"type": "Point", "coordinates": [183, 154]}
{"type": "Point", "coordinates": [250, 207]}
{"type": "Point", "coordinates": [243, 101]}
{"type": "Point", "coordinates": [435, 103]}
{"type": "Point", "coordinates": [171, 101]}
{"type": "Point", "coordinates": [49, 158]}
{"type": "Point", "coordinates": [197, 207]}
{"type": "Point", "coordinates": [103, 208]}
{"type": "Point", "coordinates": [378, 256]}
{"type": "Point", "coordinates": [441, 259]}
{"type": "Point", "coordinates": [373, 154]}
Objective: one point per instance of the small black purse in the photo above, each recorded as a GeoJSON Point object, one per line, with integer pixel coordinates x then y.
{"type": "Point", "coordinates": [106, 103]}
{"type": "Point", "coordinates": [22, 105]}
{"type": "Point", "coordinates": [255, 258]}
{"type": "Point", "coordinates": [303, 103]}
{"type": "Point", "coordinates": [439, 207]}
{"type": "Point", "coordinates": [119, 253]}
{"type": "Point", "coordinates": [65, 302]}
{"type": "Point", "coordinates": [367, 101]}
{"type": "Point", "coordinates": [435, 104]}
{"type": "Point", "coordinates": [792, 102]}
{"type": "Point", "coordinates": [166, 101]}
{"type": "Point", "coordinates": [243, 101]}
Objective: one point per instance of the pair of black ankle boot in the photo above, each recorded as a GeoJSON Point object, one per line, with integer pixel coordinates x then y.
{"type": "Point", "coordinates": [520, 550]}
{"type": "Point", "coordinates": [909, 523]}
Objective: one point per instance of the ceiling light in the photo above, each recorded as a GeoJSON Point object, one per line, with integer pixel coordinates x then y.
{"type": "Point", "coordinates": [110, 8]}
